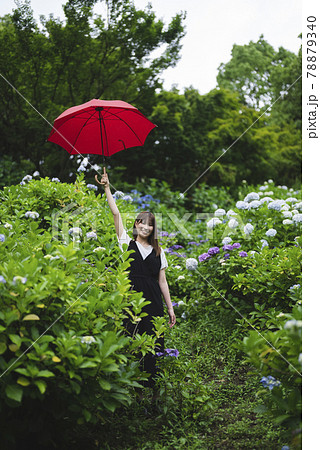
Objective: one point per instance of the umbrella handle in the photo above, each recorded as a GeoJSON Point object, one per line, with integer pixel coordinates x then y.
{"type": "Point", "coordinates": [96, 177]}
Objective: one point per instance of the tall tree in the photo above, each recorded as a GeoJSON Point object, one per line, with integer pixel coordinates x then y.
{"type": "Point", "coordinates": [59, 64]}
{"type": "Point", "coordinates": [261, 76]}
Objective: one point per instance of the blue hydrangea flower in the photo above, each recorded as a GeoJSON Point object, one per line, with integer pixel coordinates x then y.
{"type": "Point", "coordinates": [55, 180]}
{"type": "Point", "coordinates": [2, 280]}
{"type": "Point", "coordinates": [264, 243]}
{"type": "Point", "coordinates": [27, 178]}
{"type": "Point", "coordinates": [226, 240]}
{"type": "Point", "coordinates": [92, 186]}
{"type": "Point", "coordinates": [2, 238]}
{"type": "Point", "coordinates": [243, 254]}
{"type": "Point", "coordinates": [270, 382]}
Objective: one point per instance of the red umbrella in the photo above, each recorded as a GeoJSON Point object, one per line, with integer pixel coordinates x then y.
{"type": "Point", "coordinates": [101, 127]}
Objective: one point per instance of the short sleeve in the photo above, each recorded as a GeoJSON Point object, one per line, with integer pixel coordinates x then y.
{"type": "Point", "coordinates": [164, 262]}
{"type": "Point", "coordinates": [124, 239]}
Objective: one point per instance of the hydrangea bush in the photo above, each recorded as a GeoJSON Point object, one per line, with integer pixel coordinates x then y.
{"type": "Point", "coordinates": [63, 307]}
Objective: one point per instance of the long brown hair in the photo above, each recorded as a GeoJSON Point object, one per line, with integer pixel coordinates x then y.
{"type": "Point", "coordinates": [148, 217]}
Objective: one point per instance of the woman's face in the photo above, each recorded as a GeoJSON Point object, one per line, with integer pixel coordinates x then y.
{"type": "Point", "coordinates": [144, 229]}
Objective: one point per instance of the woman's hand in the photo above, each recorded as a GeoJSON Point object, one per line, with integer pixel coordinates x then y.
{"type": "Point", "coordinates": [172, 317]}
{"type": "Point", "coordinates": [104, 179]}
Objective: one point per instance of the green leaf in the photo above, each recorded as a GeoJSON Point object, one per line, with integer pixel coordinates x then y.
{"type": "Point", "coordinates": [105, 384]}
{"type": "Point", "coordinates": [23, 381]}
{"type": "Point", "coordinates": [3, 347]}
{"type": "Point", "coordinates": [87, 364]}
{"type": "Point", "coordinates": [42, 386]}
{"type": "Point", "coordinates": [14, 392]}
{"type": "Point", "coordinates": [45, 373]}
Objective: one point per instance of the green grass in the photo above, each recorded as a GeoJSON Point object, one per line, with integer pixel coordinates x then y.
{"type": "Point", "coordinates": [207, 397]}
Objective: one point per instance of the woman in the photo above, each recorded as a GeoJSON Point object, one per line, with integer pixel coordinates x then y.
{"type": "Point", "coordinates": [147, 272]}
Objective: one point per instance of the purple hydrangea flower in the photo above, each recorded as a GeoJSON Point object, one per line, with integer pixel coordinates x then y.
{"type": "Point", "coordinates": [213, 250]}
{"type": "Point", "coordinates": [176, 246]}
{"type": "Point", "coordinates": [236, 245]}
{"type": "Point", "coordinates": [226, 256]}
{"type": "Point", "coordinates": [243, 254]}
{"type": "Point", "coordinates": [227, 247]}
{"type": "Point", "coordinates": [204, 257]}
{"type": "Point", "coordinates": [172, 352]}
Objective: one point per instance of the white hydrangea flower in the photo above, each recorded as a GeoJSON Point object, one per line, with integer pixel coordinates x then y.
{"type": "Point", "coordinates": [227, 240]}
{"type": "Point", "coordinates": [252, 253]}
{"type": "Point", "coordinates": [248, 228]}
{"type": "Point", "coordinates": [263, 188]}
{"type": "Point", "coordinates": [254, 204]}
{"type": "Point", "coordinates": [284, 187]}
{"type": "Point", "coordinates": [118, 194]}
{"type": "Point", "coordinates": [92, 235]}
{"type": "Point", "coordinates": [127, 198]}
{"type": "Point", "coordinates": [266, 199]}
{"type": "Point", "coordinates": [98, 249]}
{"type": "Point", "coordinates": [242, 205]}
{"type": "Point", "coordinates": [276, 205]}
{"type": "Point", "coordinates": [291, 200]}
{"type": "Point", "coordinates": [36, 173]}
{"type": "Point", "coordinates": [8, 226]}
{"type": "Point", "coordinates": [264, 243]}
{"type": "Point", "coordinates": [271, 232]}
{"type": "Point", "coordinates": [75, 231]}
{"type": "Point", "coordinates": [181, 303]}
{"type": "Point", "coordinates": [268, 193]}
{"type": "Point", "coordinates": [191, 263]}
{"type": "Point", "coordinates": [270, 181]}
{"type": "Point", "coordinates": [27, 178]}
{"type": "Point", "coordinates": [177, 267]}
{"type": "Point", "coordinates": [285, 207]}
{"type": "Point", "coordinates": [17, 278]}
{"type": "Point", "coordinates": [52, 258]}
{"type": "Point", "coordinates": [31, 215]}
{"type": "Point", "coordinates": [213, 222]}
{"type": "Point", "coordinates": [180, 277]}
{"type": "Point", "coordinates": [233, 223]}
{"type": "Point", "coordinates": [293, 323]}
{"type": "Point", "coordinates": [298, 205]}
{"type": "Point", "coordinates": [231, 213]}
{"type": "Point", "coordinates": [252, 196]}
{"type": "Point", "coordinates": [88, 340]}
{"type": "Point", "coordinates": [220, 212]}
{"type": "Point", "coordinates": [297, 218]}
{"type": "Point", "coordinates": [55, 180]}
{"type": "Point", "coordinates": [287, 214]}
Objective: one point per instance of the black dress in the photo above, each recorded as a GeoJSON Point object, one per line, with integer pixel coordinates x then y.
{"type": "Point", "coordinates": [144, 275]}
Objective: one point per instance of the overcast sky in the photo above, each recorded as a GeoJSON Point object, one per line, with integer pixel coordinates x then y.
{"type": "Point", "coordinates": [212, 28]}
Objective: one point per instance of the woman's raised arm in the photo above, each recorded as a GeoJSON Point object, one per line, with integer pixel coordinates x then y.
{"type": "Point", "coordinates": [112, 204]}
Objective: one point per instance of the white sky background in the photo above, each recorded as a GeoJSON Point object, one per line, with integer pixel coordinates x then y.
{"type": "Point", "coordinates": [212, 27]}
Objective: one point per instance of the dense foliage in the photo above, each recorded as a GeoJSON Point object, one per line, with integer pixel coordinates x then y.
{"type": "Point", "coordinates": [234, 264]}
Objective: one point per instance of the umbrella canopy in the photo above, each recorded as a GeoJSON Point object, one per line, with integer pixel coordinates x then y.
{"type": "Point", "coordinates": [101, 127]}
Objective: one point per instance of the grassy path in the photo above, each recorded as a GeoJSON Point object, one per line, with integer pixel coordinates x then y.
{"type": "Point", "coordinates": [207, 397]}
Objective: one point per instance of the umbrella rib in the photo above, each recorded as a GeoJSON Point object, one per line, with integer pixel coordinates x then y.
{"type": "Point", "coordinates": [74, 144]}
{"type": "Point", "coordinates": [116, 115]}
